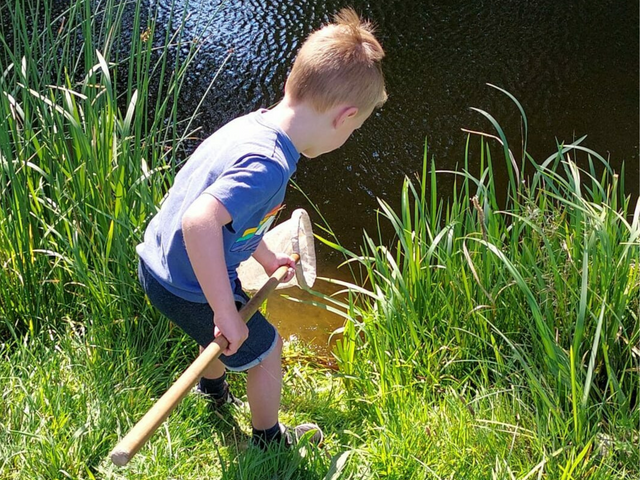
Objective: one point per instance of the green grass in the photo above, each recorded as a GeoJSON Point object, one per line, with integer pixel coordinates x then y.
{"type": "Point", "coordinates": [68, 398]}
{"type": "Point", "coordinates": [496, 336]}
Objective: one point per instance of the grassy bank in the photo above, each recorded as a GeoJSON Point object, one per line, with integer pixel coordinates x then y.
{"type": "Point", "coordinates": [495, 337]}
{"type": "Point", "coordinates": [513, 315]}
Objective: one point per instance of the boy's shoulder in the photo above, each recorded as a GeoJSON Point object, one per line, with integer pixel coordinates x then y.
{"type": "Point", "coordinates": [251, 134]}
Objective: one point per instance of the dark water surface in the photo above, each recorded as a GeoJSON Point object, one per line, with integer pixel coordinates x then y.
{"type": "Point", "coordinates": [572, 64]}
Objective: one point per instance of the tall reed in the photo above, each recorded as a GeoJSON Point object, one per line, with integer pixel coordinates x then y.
{"type": "Point", "coordinates": [539, 291]}
{"type": "Point", "coordinates": [88, 140]}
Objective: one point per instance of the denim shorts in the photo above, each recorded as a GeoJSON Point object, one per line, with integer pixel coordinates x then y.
{"type": "Point", "coordinates": [197, 321]}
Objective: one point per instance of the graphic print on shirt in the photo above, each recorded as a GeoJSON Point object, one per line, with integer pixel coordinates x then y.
{"type": "Point", "coordinates": [252, 236]}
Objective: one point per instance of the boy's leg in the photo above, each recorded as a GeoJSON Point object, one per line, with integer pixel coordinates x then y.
{"type": "Point", "coordinates": [264, 388]}
{"type": "Point", "coordinates": [195, 320]}
{"type": "Point", "coordinates": [214, 384]}
{"type": "Point", "coordinates": [215, 370]}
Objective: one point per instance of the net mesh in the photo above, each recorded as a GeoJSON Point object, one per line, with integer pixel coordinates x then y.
{"type": "Point", "coordinates": [291, 236]}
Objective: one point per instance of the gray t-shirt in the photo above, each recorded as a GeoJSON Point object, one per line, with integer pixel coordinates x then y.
{"type": "Point", "coordinates": [246, 165]}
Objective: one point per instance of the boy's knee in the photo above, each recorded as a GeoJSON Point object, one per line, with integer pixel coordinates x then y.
{"type": "Point", "coordinates": [277, 349]}
{"type": "Point", "coordinates": [274, 357]}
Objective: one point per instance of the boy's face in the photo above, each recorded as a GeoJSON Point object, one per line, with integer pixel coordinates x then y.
{"type": "Point", "coordinates": [338, 131]}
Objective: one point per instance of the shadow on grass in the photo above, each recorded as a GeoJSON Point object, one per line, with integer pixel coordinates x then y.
{"type": "Point", "coordinates": [229, 429]}
{"type": "Point", "coordinates": [303, 461]}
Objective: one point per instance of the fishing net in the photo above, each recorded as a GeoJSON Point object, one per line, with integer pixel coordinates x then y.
{"type": "Point", "coordinates": [291, 236]}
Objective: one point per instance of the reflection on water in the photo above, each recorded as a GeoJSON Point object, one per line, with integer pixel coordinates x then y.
{"type": "Point", "coordinates": [306, 322]}
{"type": "Point", "coordinates": [299, 318]}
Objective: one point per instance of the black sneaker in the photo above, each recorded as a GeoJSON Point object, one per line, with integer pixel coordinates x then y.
{"type": "Point", "coordinates": [217, 403]}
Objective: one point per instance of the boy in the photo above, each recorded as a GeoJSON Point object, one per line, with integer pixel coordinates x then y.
{"type": "Point", "coordinates": [226, 196]}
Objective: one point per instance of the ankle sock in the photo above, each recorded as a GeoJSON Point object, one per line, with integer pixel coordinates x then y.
{"type": "Point", "coordinates": [262, 438]}
{"type": "Point", "coordinates": [216, 387]}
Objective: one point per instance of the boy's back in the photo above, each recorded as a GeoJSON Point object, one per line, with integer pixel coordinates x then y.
{"type": "Point", "coordinates": [246, 165]}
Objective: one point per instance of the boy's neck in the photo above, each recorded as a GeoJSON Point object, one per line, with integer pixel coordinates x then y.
{"type": "Point", "coordinates": [300, 122]}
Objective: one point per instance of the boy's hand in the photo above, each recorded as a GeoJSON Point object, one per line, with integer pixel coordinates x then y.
{"type": "Point", "coordinates": [233, 329]}
{"type": "Point", "coordinates": [280, 259]}
{"type": "Point", "coordinates": [272, 261]}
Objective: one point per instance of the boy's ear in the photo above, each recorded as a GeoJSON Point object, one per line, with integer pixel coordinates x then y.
{"type": "Point", "coordinates": [343, 115]}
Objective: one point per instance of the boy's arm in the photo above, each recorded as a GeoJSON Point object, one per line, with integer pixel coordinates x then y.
{"type": "Point", "coordinates": [271, 261]}
{"type": "Point", "coordinates": [202, 226]}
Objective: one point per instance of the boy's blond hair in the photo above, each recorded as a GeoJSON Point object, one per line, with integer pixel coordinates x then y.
{"type": "Point", "coordinates": [339, 64]}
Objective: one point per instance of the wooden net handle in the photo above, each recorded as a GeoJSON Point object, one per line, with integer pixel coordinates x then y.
{"type": "Point", "coordinates": [147, 425]}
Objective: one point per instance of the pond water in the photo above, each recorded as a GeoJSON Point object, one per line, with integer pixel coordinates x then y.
{"type": "Point", "coordinates": [573, 65]}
